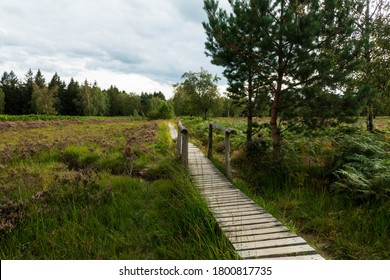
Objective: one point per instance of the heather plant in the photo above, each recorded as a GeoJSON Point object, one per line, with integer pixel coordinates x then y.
{"type": "Point", "coordinates": [100, 189]}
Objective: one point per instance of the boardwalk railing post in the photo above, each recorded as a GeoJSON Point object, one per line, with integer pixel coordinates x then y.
{"type": "Point", "coordinates": [210, 142]}
{"type": "Point", "coordinates": [182, 143]}
{"type": "Point", "coordinates": [184, 156]}
{"type": "Point", "coordinates": [178, 143]}
{"type": "Point", "coordinates": [228, 132]}
{"type": "Point", "coordinates": [227, 156]}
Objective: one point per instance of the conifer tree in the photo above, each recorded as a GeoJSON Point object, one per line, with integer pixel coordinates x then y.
{"type": "Point", "coordinates": [26, 92]}
{"type": "Point", "coordinates": [60, 85]}
{"type": "Point", "coordinates": [12, 93]}
{"type": "Point", "coordinates": [2, 101]}
{"type": "Point", "coordinates": [39, 79]}
{"type": "Point", "coordinates": [70, 103]}
{"type": "Point", "coordinates": [304, 52]}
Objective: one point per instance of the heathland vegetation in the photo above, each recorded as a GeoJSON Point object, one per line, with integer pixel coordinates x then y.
{"type": "Point", "coordinates": [100, 189]}
{"type": "Point", "coordinates": [308, 92]}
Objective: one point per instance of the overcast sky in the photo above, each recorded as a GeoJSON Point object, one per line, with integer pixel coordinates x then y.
{"type": "Point", "coordinates": [137, 45]}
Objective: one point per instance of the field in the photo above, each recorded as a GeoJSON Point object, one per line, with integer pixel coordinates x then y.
{"type": "Point", "coordinates": [99, 188]}
{"type": "Point", "coordinates": [332, 185]}
{"type": "Point", "coordinates": [112, 188]}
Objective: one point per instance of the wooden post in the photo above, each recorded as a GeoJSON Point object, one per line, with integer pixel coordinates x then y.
{"type": "Point", "coordinates": [178, 141]}
{"type": "Point", "coordinates": [184, 156]}
{"type": "Point", "coordinates": [182, 143]}
{"type": "Point", "coordinates": [228, 132]}
{"type": "Point", "coordinates": [210, 142]}
{"type": "Point", "coordinates": [227, 156]}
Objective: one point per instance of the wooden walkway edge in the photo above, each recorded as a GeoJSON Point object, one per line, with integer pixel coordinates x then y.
{"type": "Point", "coordinates": [254, 233]}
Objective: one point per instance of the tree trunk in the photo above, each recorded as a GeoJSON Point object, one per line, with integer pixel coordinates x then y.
{"type": "Point", "coordinates": [370, 117]}
{"type": "Point", "coordinates": [275, 130]}
{"type": "Point", "coordinates": [249, 131]}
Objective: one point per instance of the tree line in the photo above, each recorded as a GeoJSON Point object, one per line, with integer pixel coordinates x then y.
{"type": "Point", "coordinates": [198, 95]}
{"type": "Point", "coordinates": [34, 96]}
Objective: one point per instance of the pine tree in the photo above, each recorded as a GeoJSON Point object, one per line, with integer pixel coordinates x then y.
{"type": "Point", "coordinates": [56, 82]}
{"type": "Point", "coordinates": [304, 51]}
{"type": "Point", "coordinates": [2, 101]}
{"type": "Point", "coordinates": [232, 42]}
{"type": "Point", "coordinates": [70, 103]}
{"type": "Point", "coordinates": [26, 94]}
{"type": "Point", "coordinates": [372, 17]}
{"type": "Point", "coordinates": [12, 93]}
{"type": "Point", "coordinates": [39, 79]}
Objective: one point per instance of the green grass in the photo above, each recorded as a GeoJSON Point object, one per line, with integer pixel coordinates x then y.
{"type": "Point", "coordinates": [109, 189]}
{"type": "Point", "coordinates": [341, 217]}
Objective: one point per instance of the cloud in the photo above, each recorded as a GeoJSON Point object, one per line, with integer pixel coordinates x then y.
{"type": "Point", "coordinates": [147, 43]}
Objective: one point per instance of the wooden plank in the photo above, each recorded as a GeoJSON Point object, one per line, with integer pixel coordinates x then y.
{"type": "Point", "coordinates": [261, 237]}
{"type": "Point", "coordinates": [230, 202]}
{"type": "Point", "coordinates": [245, 222]}
{"type": "Point", "coordinates": [240, 202]}
{"type": "Point", "coordinates": [250, 227]}
{"type": "Point", "coordinates": [223, 198]}
{"type": "Point", "coordinates": [236, 214]}
{"type": "Point", "coordinates": [301, 257]}
{"type": "Point", "coordinates": [218, 194]}
{"type": "Point", "coordinates": [211, 179]}
{"type": "Point", "coordinates": [235, 209]}
{"type": "Point", "coordinates": [269, 243]}
{"type": "Point", "coordinates": [248, 217]}
{"type": "Point", "coordinates": [221, 201]}
{"type": "Point", "coordinates": [212, 182]}
{"type": "Point", "coordinates": [220, 191]}
{"type": "Point", "coordinates": [275, 252]}
{"type": "Point", "coordinates": [259, 231]}
{"type": "Point", "coordinates": [226, 129]}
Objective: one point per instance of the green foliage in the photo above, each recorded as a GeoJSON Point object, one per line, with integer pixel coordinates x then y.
{"type": "Point", "coordinates": [12, 93]}
{"type": "Point", "coordinates": [44, 99]}
{"type": "Point", "coordinates": [198, 93]}
{"type": "Point", "coordinates": [299, 55]}
{"type": "Point", "coordinates": [71, 99]}
{"type": "Point", "coordinates": [2, 101]}
{"type": "Point", "coordinates": [362, 167]}
{"type": "Point", "coordinates": [69, 103]}
{"type": "Point", "coordinates": [160, 109]}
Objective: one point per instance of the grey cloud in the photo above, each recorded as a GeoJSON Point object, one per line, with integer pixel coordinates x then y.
{"type": "Point", "coordinates": [158, 39]}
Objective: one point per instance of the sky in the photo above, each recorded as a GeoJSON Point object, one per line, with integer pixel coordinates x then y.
{"type": "Point", "coordinates": [136, 45]}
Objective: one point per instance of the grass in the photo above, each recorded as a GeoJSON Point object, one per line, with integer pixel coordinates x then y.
{"type": "Point", "coordinates": [312, 191]}
{"type": "Point", "coordinates": [100, 189]}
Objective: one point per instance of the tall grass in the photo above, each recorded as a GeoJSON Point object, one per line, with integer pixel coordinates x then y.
{"type": "Point", "coordinates": [112, 190]}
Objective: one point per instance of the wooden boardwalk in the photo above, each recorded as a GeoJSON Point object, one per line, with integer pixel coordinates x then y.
{"type": "Point", "coordinates": [254, 233]}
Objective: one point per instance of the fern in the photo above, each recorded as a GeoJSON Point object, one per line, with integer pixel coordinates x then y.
{"type": "Point", "coordinates": [361, 168]}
